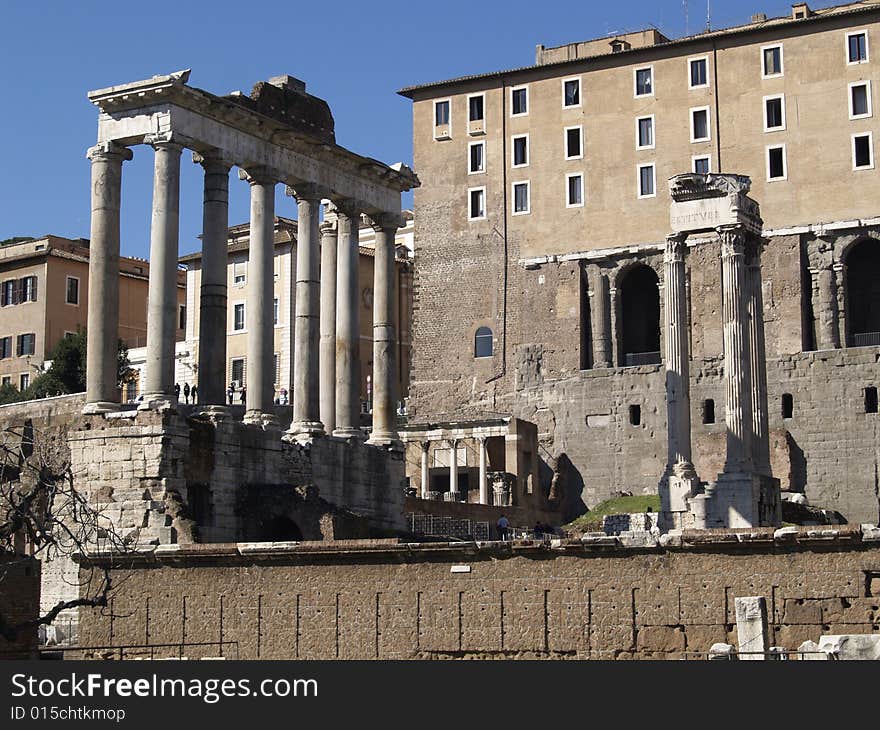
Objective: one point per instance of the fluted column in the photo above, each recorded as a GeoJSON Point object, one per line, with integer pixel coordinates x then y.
{"type": "Point", "coordinates": [347, 324]}
{"type": "Point", "coordinates": [758, 362]}
{"type": "Point", "coordinates": [384, 334]}
{"type": "Point", "coordinates": [162, 289]}
{"type": "Point", "coordinates": [426, 479]}
{"type": "Point", "coordinates": [306, 422]}
{"type": "Point", "coordinates": [213, 292]}
{"type": "Point", "coordinates": [453, 469]}
{"type": "Point", "coordinates": [737, 367]}
{"type": "Point", "coordinates": [599, 321]}
{"type": "Point", "coordinates": [484, 486]}
{"type": "Point", "coordinates": [327, 349]}
{"type": "Point", "coordinates": [678, 401]}
{"type": "Point", "coordinates": [260, 296]}
{"type": "Point", "coordinates": [102, 390]}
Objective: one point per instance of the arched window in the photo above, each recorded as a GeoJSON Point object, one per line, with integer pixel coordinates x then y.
{"type": "Point", "coordinates": [640, 317]}
{"type": "Point", "coordinates": [483, 342]}
{"type": "Point", "coordinates": [863, 293]}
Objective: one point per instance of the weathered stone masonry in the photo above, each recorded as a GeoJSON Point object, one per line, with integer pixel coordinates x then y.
{"type": "Point", "coordinates": [387, 600]}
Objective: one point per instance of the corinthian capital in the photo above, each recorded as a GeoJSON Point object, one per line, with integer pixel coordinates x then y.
{"type": "Point", "coordinates": [733, 240]}
{"type": "Point", "coordinates": [676, 247]}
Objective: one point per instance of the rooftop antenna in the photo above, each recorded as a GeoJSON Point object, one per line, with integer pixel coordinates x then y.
{"type": "Point", "coordinates": [708, 16]}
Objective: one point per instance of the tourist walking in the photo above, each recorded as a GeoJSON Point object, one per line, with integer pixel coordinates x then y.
{"type": "Point", "coordinates": [186, 392]}
{"type": "Point", "coordinates": [503, 527]}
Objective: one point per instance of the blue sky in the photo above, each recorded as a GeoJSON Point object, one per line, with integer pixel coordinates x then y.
{"type": "Point", "coordinates": [355, 55]}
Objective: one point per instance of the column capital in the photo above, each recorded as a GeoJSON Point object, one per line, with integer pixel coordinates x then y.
{"type": "Point", "coordinates": [676, 247]}
{"type": "Point", "coordinates": [307, 191]}
{"type": "Point", "coordinates": [109, 151]}
{"type": "Point", "coordinates": [214, 161]}
{"type": "Point", "coordinates": [348, 207]}
{"type": "Point", "coordinates": [165, 140]}
{"type": "Point", "coordinates": [328, 227]}
{"type": "Point", "coordinates": [259, 175]}
{"type": "Point", "coordinates": [733, 240]}
{"type": "Point", "coordinates": [426, 446]}
{"type": "Point", "coordinates": [385, 221]}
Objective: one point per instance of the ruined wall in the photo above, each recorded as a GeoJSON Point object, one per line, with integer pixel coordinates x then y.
{"type": "Point", "coordinates": [603, 600]}
{"type": "Point", "coordinates": [19, 602]}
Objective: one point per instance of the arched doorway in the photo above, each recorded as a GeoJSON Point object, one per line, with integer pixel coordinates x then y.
{"type": "Point", "coordinates": [640, 317]}
{"type": "Point", "coordinates": [863, 293]}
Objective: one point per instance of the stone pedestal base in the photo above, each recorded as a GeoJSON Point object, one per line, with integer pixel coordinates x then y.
{"type": "Point", "coordinates": [157, 401]}
{"type": "Point", "coordinates": [741, 500]}
{"type": "Point", "coordinates": [215, 413]}
{"type": "Point", "coordinates": [260, 418]}
{"type": "Point", "coordinates": [385, 440]}
{"type": "Point", "coordinates": [99, 407]}
{"type": "Point", "coordinates": [352, 434]}
{"type": "Point", "coordinates": [677, 489]}
{"type": "Point", "coordinates": [304, 432]}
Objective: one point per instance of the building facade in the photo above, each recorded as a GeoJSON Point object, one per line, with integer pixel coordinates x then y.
{"type": "Point", "coordinates": [540, 230]}
{"type": "Point", "coordinates": [44, 297]}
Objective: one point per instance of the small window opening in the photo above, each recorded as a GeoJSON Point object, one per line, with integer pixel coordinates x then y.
{"type": "Point", "coordinates": [870, 399]}
{"type": "Point", "coordinates": [787, 405]}
{"type": "Point", "coordinates": [483, 342]}
{"type": "Point", "coordinates": [635, 415]}
{"type": "Point", "coordinates": [709, 410]}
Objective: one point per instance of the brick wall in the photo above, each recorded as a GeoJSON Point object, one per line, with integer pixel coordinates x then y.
{"type": "Point", "coordinates": [601, 599]}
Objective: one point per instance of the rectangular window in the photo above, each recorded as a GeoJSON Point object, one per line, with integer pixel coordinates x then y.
{"type": "Point", "coordinates": [776, 167]}
{"type": "Point", "coordinates": [237, 372]}
{"type": "Point", "coordinates": [5, 347]}
{"type": "Point", "coordinates": [476, 157]}
{"type": "Point", "coordinates": [862, 151]}
{"type": "Point", "coordinates": [699, 72]}
{"type": "Point", "coordinates": [645, 133]}
{"type": "Point", "coordinates": [7, 295]}
{"type": "Point", "coordinates": [24, 380]}
{"type": "Point", "coordinates": [441, 113]}
{"type": "Point", "coordinates": [774, 113]}
{"type": "Point", "coordinates": [521, 198]}
{"type": "Point", "coordinates": [26, 344]}
{"type": "Point", "coordinates": [181, 317]}
{"type": "Point", "coordinates": [238, 321]}
{"type": "Point", "coordinates": [860, 105]}
{"type": "Point", "coordinates": [7, 380]}
{"type": "Point", "coordinates": [644, 78]}
{"type": "Point", "coordinates": [700, 124]}
{"type": "Point", "coordinates": [239, 272]}
{"type": "Point", "coordinates": [275, 311]}
{"type": "Point", "coordinates": [519, 101]}
{"type": "Point", "coordinates": [574, 190]}
{"type": "Point", "coordinates": [857, 47]}
{"type": "Point", "coordinates": [520, 147]}
{"type": "Point", "coordinates": [29, 289]}
{"type": "Point", "coordinates": [574, 143]}
{"type": "Point", "coordinates": [72, 290]}
{"type": "Point", "coordinates": [702, 164]}
{"type": "Point", "coordinates": [646, 181]}
{"type": "Point", "coordinates": [476, 108]}
{"type": "Point", "coordinates": [476, 204]}
{"type": "Point", "coordinates": [771, 61]}
{"type": "Point", "coordinates": [571, 92]}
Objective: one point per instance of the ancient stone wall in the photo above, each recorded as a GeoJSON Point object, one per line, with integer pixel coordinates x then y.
{"type": "Point", "coordinates": [19, 602]}
{"type": "Point", "coordinates": [601, 599]}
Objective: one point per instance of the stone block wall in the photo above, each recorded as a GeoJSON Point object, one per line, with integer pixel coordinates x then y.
{"type": "Point", "coordinates": [19, 602]}
{"type": "Point", "coordinates": [603, 599]}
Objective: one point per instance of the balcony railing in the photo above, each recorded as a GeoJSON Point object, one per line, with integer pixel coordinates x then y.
{"type": "Point", "coordinates": [632, 359]}
{"type": "Point", "coordinates": [866, 339]}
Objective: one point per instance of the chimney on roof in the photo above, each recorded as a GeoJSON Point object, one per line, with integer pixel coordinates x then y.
{"type": "Point", "coordinates": [288, 82]}
{"type": "Point", "coordinates": [759, 17]}
{"type": "Point", "coordinates": [800, 10]}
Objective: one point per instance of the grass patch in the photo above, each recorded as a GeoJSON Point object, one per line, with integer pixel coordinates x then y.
{"type": "Point", "coordinates": [592, 520]}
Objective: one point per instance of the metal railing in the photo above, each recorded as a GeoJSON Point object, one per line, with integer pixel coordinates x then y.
{"type": "Point", "coordinates": [866, 339]}
{"type": "Point", "coordinates": [119, 651]}
{"type": "Point", "coordinates": [436, 525]}
{"type": "Point", "coordinates": [642, 358]}
{"type": "Point", "coordinates": [774, 653]}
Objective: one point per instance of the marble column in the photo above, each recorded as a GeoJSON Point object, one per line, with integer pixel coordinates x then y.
{"type": "Point", "coordinates": [348, 328]}
{"type": "Point", "coordinates": [162, 289]}
{"type": "Point", "coordinates": [102, 388]}
{"type": "Point", "coordinates": [599, 321]}
{"type": "Point", "coordinates": [758, 361]}
{"type": "Point", "coordinates": [426, 477]}
{"type": "Point", "coordinates": [384, 334]}
{"type": "Point", "coordinates": [484, 485]}
{"type": "Point", "coordinates": [213, 293]}
{"type": "Point", "coordinates": [327, 349]}
{"type": "Point", "coordinates": [737, 367]}
{"type": "Point", "coordinates": [453, 469]}
{"type": "Point", "coordinates": [306, 422]}
{"type": "Point", "coordinates": [259, 314]}
{"type": "Point", "coordinates": [680, 478]}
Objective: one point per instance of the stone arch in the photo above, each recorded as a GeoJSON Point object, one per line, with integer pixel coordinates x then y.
{"type": "Point", "coordinates": [862, 291]}
{"type": "Point", "coordinates": [639, 326]}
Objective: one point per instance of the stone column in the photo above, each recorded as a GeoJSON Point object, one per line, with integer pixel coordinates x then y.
{"type": "Point", "coordinates": [453, 470]}
{"type": "Point", "coordinates": [827, 330]}
{"type": "Point", "coordinates": [347, 325]}
{"type": "Point", "coordinates": [162, 289]}
{"type": "Point", "coordinates": [599, 321]}
{"type": "Point", "coordinates": [426, 478]}
{"type": "Point", "coordinates": [212, 296]}
{"type": "Point", "coordinates": [306, 422]}
{"type": "Point", "coordinates": [327, 350]}
{"type": "Point", "coordinates": [680, 480]}
{"type": "Point", "coordinates": [260, 296]}
{"type": "Point", "coordinates": [102, 389]}
{"type": "Point", "coordinates": [758, 362]}
{"type": "Point", "coordinates": [384, 334]}
{"type": "Point", "coordinates": [484, 486]}
{"type": "Point", "coordinates": [614, 345]}
{"type": "Point", "coordinates": [737, 368]}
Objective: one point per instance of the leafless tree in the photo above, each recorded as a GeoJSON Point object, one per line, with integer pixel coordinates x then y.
{"type": "Point", "coordinates": [44, 515]}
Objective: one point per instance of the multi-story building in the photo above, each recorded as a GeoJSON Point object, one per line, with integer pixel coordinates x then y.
{"type": "Point", "coordinates": [186, 370]}
{"type": "Point", "coordinates": [44, 290]}
{"type": "Point", "coordinates": [540, 229]}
